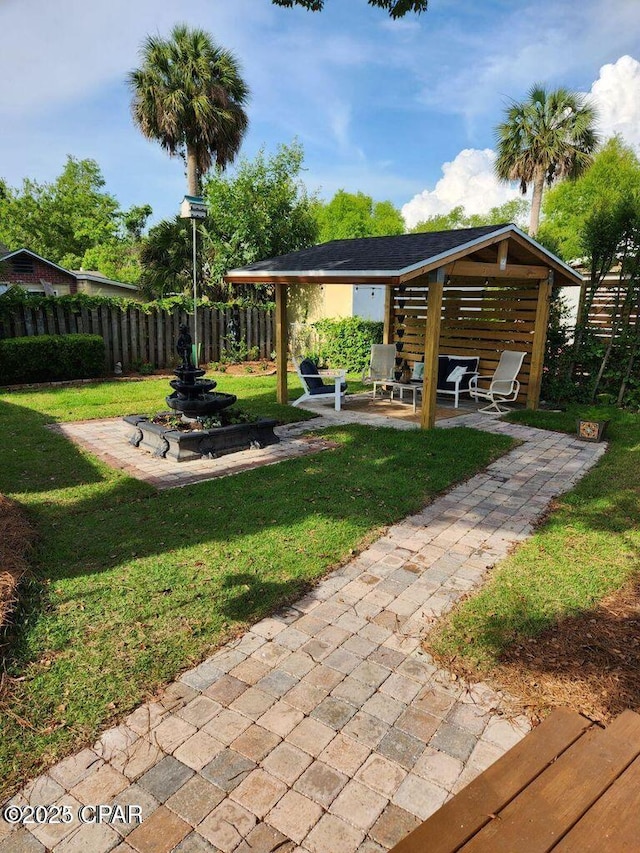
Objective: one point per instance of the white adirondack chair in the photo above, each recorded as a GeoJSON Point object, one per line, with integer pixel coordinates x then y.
{"type": "Point", "coordinates": [315, 388]}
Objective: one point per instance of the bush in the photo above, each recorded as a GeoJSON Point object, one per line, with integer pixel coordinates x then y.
{"type": "Point", "coordinates": [347, 343]}
{"type": "Point", "coordinates": [49, 358]}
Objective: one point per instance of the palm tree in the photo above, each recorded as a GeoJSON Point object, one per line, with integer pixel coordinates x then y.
{"type": "Point", "coordinates": [551, 135]}
{"type": "Point", "coordinates": [189, 96]}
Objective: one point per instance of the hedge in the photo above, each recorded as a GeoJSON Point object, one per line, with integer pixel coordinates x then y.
{"type": "Point", "coordinates": [50, 358]}
{"type": "Point", "coordinates": [16, 297]}
{"type": "Point", "coordinates": [347, 343]}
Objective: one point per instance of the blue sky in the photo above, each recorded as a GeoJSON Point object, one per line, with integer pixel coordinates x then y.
{"type": "Point", "coordinates": [400, 110]}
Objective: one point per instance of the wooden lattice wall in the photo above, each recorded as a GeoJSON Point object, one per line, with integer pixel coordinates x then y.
{"type": "Point", "coordinates": [476, 320]}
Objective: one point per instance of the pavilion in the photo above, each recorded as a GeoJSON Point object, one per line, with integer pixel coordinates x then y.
{"type": "Point", "coordinates": [469, 291]}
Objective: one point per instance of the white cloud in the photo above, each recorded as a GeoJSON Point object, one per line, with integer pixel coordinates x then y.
{"type": "Point", "coordinates": [616, 95]}
{"type": "Point", "coordinates": [468, 180]}
{"type": "Point", "coordinates": [532, 41]}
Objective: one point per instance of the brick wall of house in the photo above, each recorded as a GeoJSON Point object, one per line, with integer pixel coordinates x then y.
{"type": "Point", "coordinates": [41, 272]}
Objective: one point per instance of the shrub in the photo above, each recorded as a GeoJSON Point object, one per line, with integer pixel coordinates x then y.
{"type": "Point", "coordinates": [347, 343]}
{"type": "Point", "coordinates": [48, 358]}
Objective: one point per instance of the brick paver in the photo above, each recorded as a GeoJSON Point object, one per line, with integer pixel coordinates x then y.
{"type": "Point", "coordinates": [325, 727]}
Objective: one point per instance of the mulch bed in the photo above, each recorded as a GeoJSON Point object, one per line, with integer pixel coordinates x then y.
{"type": "Point", "coordinates": [589, 662]}
{"type": "Point", "coordinates": [16, 541]}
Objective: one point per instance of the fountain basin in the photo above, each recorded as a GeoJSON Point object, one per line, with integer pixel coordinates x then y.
{"type": "Point", "coordinates": [180, 446]}
{"type": "Point", "coordinates": [206, 403]}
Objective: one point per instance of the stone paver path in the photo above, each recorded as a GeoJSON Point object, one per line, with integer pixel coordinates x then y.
{"type": "Point", "coordinates": [108, 439]}
{"type": "Point", "coordinates": [325, 728]}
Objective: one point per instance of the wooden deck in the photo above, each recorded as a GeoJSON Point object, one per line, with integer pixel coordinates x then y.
{"type": "Point", "coordinates": [569, 786]}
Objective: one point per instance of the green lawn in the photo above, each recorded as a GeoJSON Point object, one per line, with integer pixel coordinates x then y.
{"type": "Point", "coordinates": [588, 547]}
{"type": "Point", "coordinates": [132, 586]}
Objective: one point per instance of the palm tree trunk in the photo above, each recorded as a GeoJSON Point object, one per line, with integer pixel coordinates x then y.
{"type": "Point", "coordinates": [536, 202]}
{"type": "Point", "coordinates": [193, 178]}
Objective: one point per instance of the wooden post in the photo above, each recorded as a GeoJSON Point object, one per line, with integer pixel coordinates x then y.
{"type": "Point", "coordinates": [431, 347]}
{"type": "Point", "coordinates": [539, 341]}
{"type": "Point", "coordinates": [503, 250]}
{"type": "Point", "coordinates": [282, 342]}
{"type": "Point", "coordinates": [388, 334]}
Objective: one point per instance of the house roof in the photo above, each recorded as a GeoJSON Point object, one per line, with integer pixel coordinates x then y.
{"type": "Point", "coordinates": [395, 258]}
{"type": "Point", "coordinates": [97, 278]}
{"type": "Point", "coordinates": [81, 275]}
{"type": "Point", "coordinates": [24, 251]}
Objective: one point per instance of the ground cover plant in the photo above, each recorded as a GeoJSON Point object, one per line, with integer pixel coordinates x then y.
{"type": "Point", "coordinates": [130, 586]}
{"type": "Point", "coordinates": [557, 622]}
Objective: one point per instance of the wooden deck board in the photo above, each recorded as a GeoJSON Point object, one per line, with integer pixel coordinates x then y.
{"type": "Point", "coordinates": [567, 787]}
{"type": "Point", "coordinates": [613, 823]}
{"type": "Point", "coordinates": [470, 810]}
{"type": "Point", "coordinates": [553, 803]}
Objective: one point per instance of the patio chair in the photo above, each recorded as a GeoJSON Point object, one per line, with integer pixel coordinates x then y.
{"type": "Point", "coordinates": [315, 388]}
{"type": "Point", "coordinates": [503, 385]}
{"type": "Point", "coordinates": [381, 366]}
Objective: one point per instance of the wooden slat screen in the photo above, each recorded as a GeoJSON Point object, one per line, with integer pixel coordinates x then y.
{"type": "Point", "coordinates": [476, 320]}
{"type": "Point", "coordinates": [604, 305]}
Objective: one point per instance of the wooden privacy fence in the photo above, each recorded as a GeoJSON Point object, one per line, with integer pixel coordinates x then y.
{"type": "Point", "coordinates": [611, 301]}
{"type": "Point", "coordinates": [476, 320]}
{"type": "Point", "coordinates": [132, 335]}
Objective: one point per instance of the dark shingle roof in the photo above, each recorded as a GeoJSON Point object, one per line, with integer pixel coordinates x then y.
{"type": "Point", "coordinates": [373, 253]}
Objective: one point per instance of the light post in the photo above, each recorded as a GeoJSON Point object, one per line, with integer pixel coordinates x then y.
{"type": "Point", "coordinates": [194, 207]}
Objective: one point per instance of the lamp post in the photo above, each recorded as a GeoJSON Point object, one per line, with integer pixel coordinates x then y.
{"type": "Point", "coordinates": [194, 207]}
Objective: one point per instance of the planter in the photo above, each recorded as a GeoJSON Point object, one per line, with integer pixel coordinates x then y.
{"type": "Point", "coordinates": [590, 429]}
{"type": "Point", "coordinates": [196, 444]}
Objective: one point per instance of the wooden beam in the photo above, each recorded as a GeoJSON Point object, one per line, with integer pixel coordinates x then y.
{"type": "Point", "coordinates": [388, 334]}
{"type": "Point", "coordinates": [503, 249]}
{"type": "Point", "coordinates": [431, 347]}
{"type": "Point", "coordinates": [484, 270]}
{"type": "Point", "coordinates": [282, 343]}
{"type": "Point", "coordinates": [461, 253]}
{"type": "Point", "coordinates": [565, 279]}
{"type": "Point", "coordinates": [539, 342]}
{"type": "Point", "coordinates": [304, 278]}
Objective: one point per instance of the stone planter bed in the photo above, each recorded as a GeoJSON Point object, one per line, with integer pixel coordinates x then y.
{"type": "Point", "coordinates": [184, 446]}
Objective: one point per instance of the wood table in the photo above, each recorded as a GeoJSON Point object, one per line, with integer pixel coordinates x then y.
{"type": "Point", "coordinates": [569, 786]}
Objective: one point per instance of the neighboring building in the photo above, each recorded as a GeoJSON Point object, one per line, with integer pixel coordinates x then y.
{"type": "Point", "coordinates": [35, 274]}
{"type": "Point", "coordinates": [347, 300]}
{"type": "Point", "coordinates": [38, 275]}
{"type": "Point", "coordinates": [96, 284]}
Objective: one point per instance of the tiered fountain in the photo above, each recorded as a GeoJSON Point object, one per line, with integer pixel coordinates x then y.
{"type": "Point", "coordinates": [194, 399]}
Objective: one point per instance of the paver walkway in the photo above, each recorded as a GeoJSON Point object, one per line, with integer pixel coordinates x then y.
{"type": "Point", "coordinates": [324, 728]}
{"type": "Point", "coordinates": [108, 439]}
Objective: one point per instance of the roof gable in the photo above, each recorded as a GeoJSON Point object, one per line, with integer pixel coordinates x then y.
{"type": "Point", "coordinates": [23, 251]}
{"type": "Point", "coordinates": [396, 257]}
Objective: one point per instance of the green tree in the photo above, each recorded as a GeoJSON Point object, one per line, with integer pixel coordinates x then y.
{"type": "Point", "coordinates": [396, 8]}
{"type": "Point", "coordinates": [119, 258]}
{"type": "Point", "coordinates": [260, 211]}
{"type": "Point", "coordinates": [61, 220]}
{"type": "Point", "coordinates": [614, 174]}
{"type": "Point", "coordinates": [189, 96]}
{"type": "Point", "coordinates": [350, 215]}
{"type": "Point", "coordinates": [166, 259]}
{"type": "Point", "coordinates": [511, 211]}
{"type": "Point", "coordinates": [547, 137]}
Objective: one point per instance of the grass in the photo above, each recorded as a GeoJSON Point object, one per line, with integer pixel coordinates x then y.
{"type": "Point", "coordinates": [131, 586]}
{"type": "Point", "coordinates": [587, 548]}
